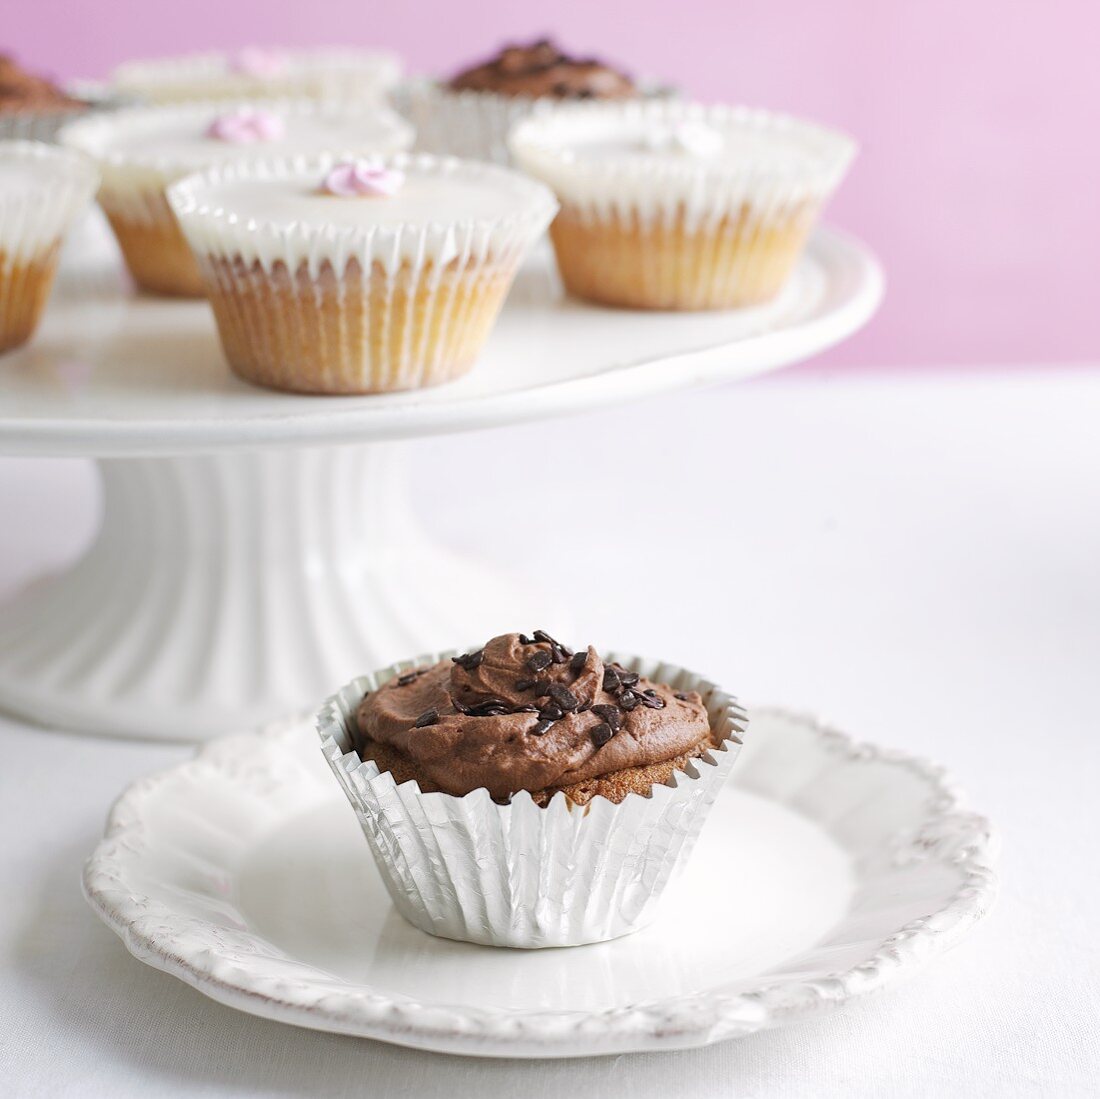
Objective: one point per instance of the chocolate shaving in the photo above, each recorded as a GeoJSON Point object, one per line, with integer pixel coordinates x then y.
{"type": "Point", "coordinates": [563, 696]}
{"type": "Point", "coordinates": [611, 714]}
{"type": "Point", "coordinates": [628, 700]}
{"type": "Point", "coordinates": [540, 661]}
{"type": "Point", "coordinates": [469, 661]}
{"type": "Point", "coordinates": [540, 727]}
{"type": "Point", "coordinates": [428, 717]}
{"type": "Point", "coordinates": [551, 713]}
{"type": "Point", "coordinates": [600, 734]}
{"type": "Point", "coordinates": [524, 684]}
{"type": "Point", "coordinates": [681, 696]}
{"type": "Point", "coordinates": [576, 664]}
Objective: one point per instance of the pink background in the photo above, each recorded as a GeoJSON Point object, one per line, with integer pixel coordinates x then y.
{"type": "Point", "coordinates": [979, 180]}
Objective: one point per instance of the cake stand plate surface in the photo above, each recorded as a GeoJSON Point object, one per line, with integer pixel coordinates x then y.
{"type": "Point", "coordinates": [111, 373]}
{"type": "Point", "coordinates": [257, 548]}
{"type": "Point", "coordinates": [828, 869]}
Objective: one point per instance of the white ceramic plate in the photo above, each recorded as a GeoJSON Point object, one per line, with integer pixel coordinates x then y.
{"type": "Point", "coordinates": [111, 373]}
{"type": "Point", "coordinates": [826, 870]}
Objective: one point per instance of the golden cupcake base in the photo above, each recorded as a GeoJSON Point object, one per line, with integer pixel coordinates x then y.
{"type": "Point", "coordinates": [24, 289]}
{"type": "Point", "coordinates": [154, 248]}
{"type": "Point", "coordinates": [739, 261]}
{"type": "Point", "coordinates": [349, 334]}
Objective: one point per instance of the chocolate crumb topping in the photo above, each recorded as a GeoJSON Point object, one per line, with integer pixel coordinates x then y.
{"type": "Point", "coordinates": [483, 719]}
{"type": "Point", "coordinates": [600, 734]}
{"type": "Point", "coordinates": [541, 68]}
{"type": "Point", "coordinates": [21, 90]}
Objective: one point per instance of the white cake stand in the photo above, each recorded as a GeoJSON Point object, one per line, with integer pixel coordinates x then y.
{"type": "Point", "coordinates": [256, 548]}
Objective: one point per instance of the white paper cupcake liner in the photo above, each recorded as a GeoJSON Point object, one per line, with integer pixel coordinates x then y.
{"type": "Point", "coordinates": [133, 180]}
{"type": "Point", "coordinates": [32, 224]}
{"type": "Point", "coordinates": [470, 124]}
{"type": "Point", "coordinates": [518, 875]}
{"type": "Point", "coordinates": [474, 124]}
{"type": "Point", "coordinates": [212, 230]}
{"type": "Point", "coordinates": [37, 125]}
{"type": "Point", "coordinates": [788, 165]}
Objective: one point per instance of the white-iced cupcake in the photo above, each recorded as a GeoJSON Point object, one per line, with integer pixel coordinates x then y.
{"type": "Point", "coordinates": [669, 205]}
{"type": "Point", "coordinates": [256, 72]}
{"type": "Point", "coordinates": [471, 114]}
{"type": "Point", "coordinates": [358, 276]}
{"type": "Point", "coordinates": [525, 795]}
{"type": "Point", "coordinates": [43, 190]}
{"type": "Point", "coordinates": [142, 150]}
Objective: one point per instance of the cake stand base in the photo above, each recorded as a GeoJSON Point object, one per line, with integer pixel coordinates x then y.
{"type": "Point", "coordinates": [226, 589]}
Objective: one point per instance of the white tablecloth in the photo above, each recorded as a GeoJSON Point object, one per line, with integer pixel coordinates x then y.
{"type": "Point", "coordinates": [914, 555]}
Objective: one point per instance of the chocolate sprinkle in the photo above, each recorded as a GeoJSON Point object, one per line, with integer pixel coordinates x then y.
{"type": "Point", "coordinates": [407, 678]}
{"type": "Point", "coordinates": [611, 714]}
{"type": "Point", "coordinates": [653, 700]}
{"type": "Point", "coordinates": [428, 717]}
{"type": "Point", "coordinates": [563, 696]}
{"type": "Point", "coordinates": [551, 713]}
{"type": "Point", "coordinates": [469, 661]}
{"type": "Point", "coordinates": [576, 664]}
{"type": "Point", "coordinates": [541, 726]}
{"type": "Point", "coordinates": [539, 661]}
{"type": "Point", "coordinates": [524, 684]}
{"type": "Point", "coordinates": [681, 696]}
{"type": "Point", "coordinates": [628, 700]}
{"type": "Point", "coordinates": [600, 734]}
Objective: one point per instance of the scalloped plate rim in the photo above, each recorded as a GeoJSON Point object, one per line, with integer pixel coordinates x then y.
{"type": "Point", "coordinates": [730, 1015]}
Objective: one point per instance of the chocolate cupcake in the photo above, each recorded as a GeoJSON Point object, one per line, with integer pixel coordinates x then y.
{"type": "Point", "coordinates": [31, 106]}
{"type": "Point", "coordinates": [527, 795]}
{"type": "Point", "coordinates": [470, 114]}
{"type": "Point", "coordinates": [542, 69]}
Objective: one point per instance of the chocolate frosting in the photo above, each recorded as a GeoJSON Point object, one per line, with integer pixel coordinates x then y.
{"type": "Point", "coordinates": [541, 69]}
{"type": "Point", "coordinates": [23, 91]}
{"type": "Point", "coordinates": [526, 713]}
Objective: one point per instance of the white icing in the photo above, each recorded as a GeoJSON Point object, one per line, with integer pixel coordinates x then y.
{"type": "Point", "coordinates": [314, 72]}
{"type": "Point", "coordinates": [42, 190]}
{"type": "Point", "coordinates": [276, 211]}
{"type": "Point", "coordinates": [175, 140]}
{"type": "Point", "coordinates": [422, 198]}
{"type": "Point", "coordinates": [23, 177]}
{"type": "Point", "coordinates": [680, 161]}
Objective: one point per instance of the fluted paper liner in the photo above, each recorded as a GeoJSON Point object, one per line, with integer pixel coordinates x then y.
{"type": "Point", "coordinates": [519, 875]}
{"type": "Point", "coordinates": [37, 125]}
{"type": "Point", "coordinates": [680, 231]}
{"type": "Point", "coordinates": [31, 229]}
{"type": "Point", "coordinates": [476, 124]}
{"type": "Point", "coordinates": [377, 307]}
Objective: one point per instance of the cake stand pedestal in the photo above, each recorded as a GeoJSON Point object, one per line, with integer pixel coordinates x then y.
{"type": "Point", "coordinates": [257, 549]}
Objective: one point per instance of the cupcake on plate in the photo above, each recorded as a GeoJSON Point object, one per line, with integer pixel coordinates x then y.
{"type": "Point", "coordinates": [680, 206]}
{"type": "Point", "coordinates": [358, 276]}
{"type": "Point", "coordinates": [526, 795]}
{"type": "Point", "coordinates": [32, 107]}
{"type": "Point", "coordinates": [471, 114]}
{"type": "Point", "coordinates": [142, 150]}
{"type": "Point", "coordinates": [257, 72]}
{"type": "Point", "coordinates": [43, 190]}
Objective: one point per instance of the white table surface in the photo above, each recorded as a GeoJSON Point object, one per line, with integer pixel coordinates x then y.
{"type": "Point", "coordinates": [915, 555]}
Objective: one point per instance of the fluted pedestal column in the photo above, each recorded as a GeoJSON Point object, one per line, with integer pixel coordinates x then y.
{"type": "Point", "coordinates": [224, 590]}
